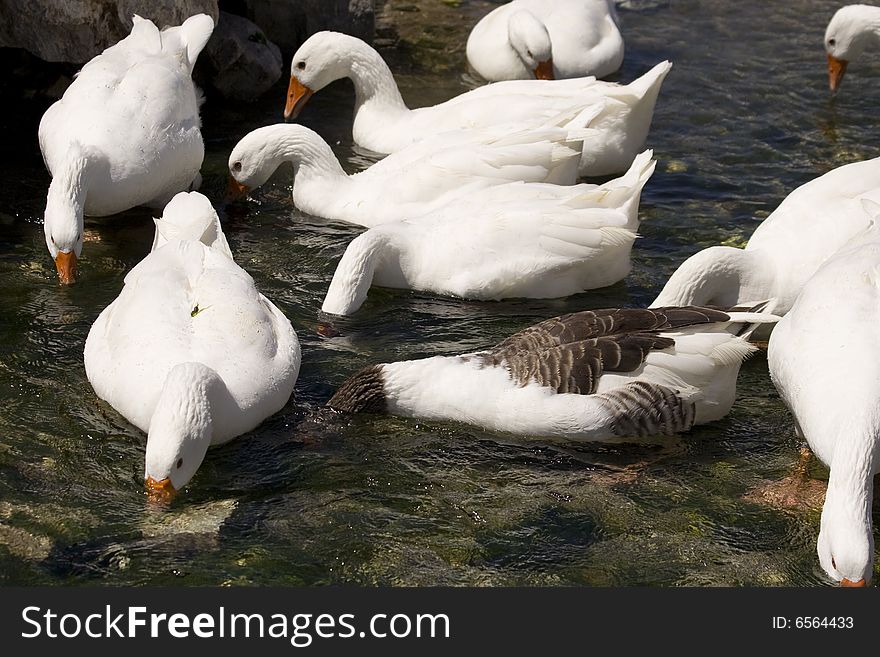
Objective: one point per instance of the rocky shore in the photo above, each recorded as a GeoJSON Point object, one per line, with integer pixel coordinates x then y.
{"type": "Point", "coordinates": [244, 57]}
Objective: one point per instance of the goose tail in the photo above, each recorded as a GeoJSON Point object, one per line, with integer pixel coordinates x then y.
{"type": "Point", "coordinates": [627, 190]}
{"type": "Point", "coordinates": [647, 85]}
{"type": "Point", "coordinates": [189, 38]}
{"type": "Point", "coordinates": [622, 194]}
{"type": "Point", "coordinates": [749, 317]}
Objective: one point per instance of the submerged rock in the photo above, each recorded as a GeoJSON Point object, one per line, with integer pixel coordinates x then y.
{"type": "Point", "coordinates": [24, 544]}
{"type": "Point", "coordinates": [203, 519]}
{"type": "Point", "coordinates": [243, 63]}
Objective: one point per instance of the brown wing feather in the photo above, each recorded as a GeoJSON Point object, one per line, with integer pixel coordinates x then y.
{"type": "Point", "coordinates": [570, 352]}
{"type": "Point", "coordinates": [647, 409]}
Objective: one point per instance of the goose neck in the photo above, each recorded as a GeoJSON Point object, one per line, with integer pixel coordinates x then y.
{"type": "Point", "coordinates": [373, 81]}
{"type": "Point", "coordinates": [719, 275]}
{"type": "Point", "coordinates": [310, 155]}
{"type": "Point", "coordinates": [65, 201]}
{"type": "Point", "coordinates": [354, 274]}
{"type": "Point", "coordinates": [852, 471]}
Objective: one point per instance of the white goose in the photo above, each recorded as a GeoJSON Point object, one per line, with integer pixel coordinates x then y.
{"type": "Point", "coordinates": [125, 133]}
{"type": "Point", "coordinates": [190, 352]}
{"type": "Point", "coordinates": [808, 227]}
{"type": "Point", "coordinates": [825, 362]}
{"type": "Point", "coordinates": [547, 40]}
{"type": "Point", "coordinates": [384, 124]}
{"type": "Point", "coordinates": [851, 31]}
{"type": "Point", "coordinates": [411, 182]}
{"type": "Point", "coordinates": [604, 375]}
{"type": "Point", "coordinates": [514, 240]}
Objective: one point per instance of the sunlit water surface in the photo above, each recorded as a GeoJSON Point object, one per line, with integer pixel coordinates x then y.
{"type": "Point", "coordinates": [743, 118]}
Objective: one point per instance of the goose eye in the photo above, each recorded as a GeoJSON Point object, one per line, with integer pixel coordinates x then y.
{"type": "Point", "coordinates": [179, 463]}
{"type": "Point", "coordinates": [832, 42]}
{"type": "Point", "coordinates": [529, 53]}
{"type": "Point", "coordinates": [301, 66]}
{"type": "Point", "coordinates": [236, 167]}
{"type": "Point", "coordinates": [833, 564]}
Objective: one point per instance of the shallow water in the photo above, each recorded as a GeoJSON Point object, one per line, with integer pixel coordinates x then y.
{"type": "Point", "coordinates": [743, 118]}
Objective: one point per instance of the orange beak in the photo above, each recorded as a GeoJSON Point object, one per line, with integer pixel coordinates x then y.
{"type": "Point", "coordinates": [235, 190]}
{"type": "Point", "coordinates": [545, 70]}
{"type": "Point", "coordinates": [160, 492]}
{"type": "Point", "coordinates": [65, 263]}
{"type": "Point", "coordinates": [297, 97]}
{"type": "Point", "coordinates": [850, 584]}
{"type": "Point", "coordinates": [836, 69]}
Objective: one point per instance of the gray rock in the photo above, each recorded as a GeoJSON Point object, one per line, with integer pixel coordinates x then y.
{"type": "Point", "coordinates": [243, 63]}
{"type": "Point", "coordinates": [77, 30]}
{"type": "Point", "coordinates": [290, 22]}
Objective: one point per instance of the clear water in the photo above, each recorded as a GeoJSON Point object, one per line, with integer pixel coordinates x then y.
{"type": "Point", "coordinates": [743, 118]}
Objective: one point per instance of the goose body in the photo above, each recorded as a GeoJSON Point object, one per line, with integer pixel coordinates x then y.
{"type": "Point", "coordinates": [125, 133]}
{"type": "Point", "coordinates": [824, 360]}
{"type": "Point", "coordinates": [851, 31]}
{"type": "Point", "coordinates": [190, 352]}
{"type": "Point", "coordinates": [787, 248]}
{"type": "Point", "coordinates": [411, 182]}
{"type": "Point", "coordinates": [514, 240]}
{"type": "Point", "coordinates": [605, 375]}
{"type": "Point", "coordinates": [384, 124]}
{"type": "Point", "coordinates": [570, 38]}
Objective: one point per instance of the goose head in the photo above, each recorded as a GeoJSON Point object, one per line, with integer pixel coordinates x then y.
{"type": "Point", "coordinates": [259, 153]}
{"type": "Point", "coordinates": [63, 226]}
{"type": "Point", "coordinates": [181, 429]}
{"type": "Point", "coordinates": [530, 39]}
{"type": "Point", "coordinates": [253, 161]}
{"type": "Point", "coordinates": [846, 545]}
{"type": "Point", "coordinates": [847, 36]}
{"type": "Point", "coordinates": [324, 58]}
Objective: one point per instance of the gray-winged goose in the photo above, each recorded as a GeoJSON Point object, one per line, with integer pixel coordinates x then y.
{"type": "Point", "coordinates": [596, 375]}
